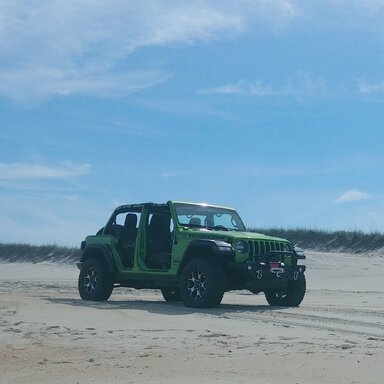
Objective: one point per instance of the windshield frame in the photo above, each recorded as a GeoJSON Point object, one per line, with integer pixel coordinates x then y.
{"type": "Point", "coordinates": [190, 210]}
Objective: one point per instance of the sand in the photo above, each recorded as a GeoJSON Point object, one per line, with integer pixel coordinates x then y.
{"type": "Point", "coordinates": [47, 334]}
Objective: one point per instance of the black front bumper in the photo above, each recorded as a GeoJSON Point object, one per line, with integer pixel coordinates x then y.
{"type": "Point", "coordinates": [257, 277]}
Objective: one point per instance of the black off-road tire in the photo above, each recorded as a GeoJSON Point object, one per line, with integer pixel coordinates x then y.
{"type": "Point", "coordinates": [171, 294]}
{"type": "Point", "coordinates": [293, 296]}
{"type": "Point", "coordinates": [95, 282]}
{"type": "Point", "coordinates": [202, 284]}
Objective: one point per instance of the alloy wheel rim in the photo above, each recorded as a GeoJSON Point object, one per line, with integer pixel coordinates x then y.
{"type": "Point", "coordinates": [196, 285]}
{"type": "Point", "coordinates": [90, 280]}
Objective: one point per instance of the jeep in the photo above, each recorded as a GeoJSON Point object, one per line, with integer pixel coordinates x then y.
{"type": "Point", "coordinates": [192, 252]}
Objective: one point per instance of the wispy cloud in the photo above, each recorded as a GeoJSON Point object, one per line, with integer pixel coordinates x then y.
{"type": "Point", "coordinates": [22, 85]}
{"type": "Point", "coordinates": [370, 88]}
{"type": "Point", "coordinates": [302, 85]}
{"type": "Point", "coordinates": [15, 171]}
{"type": "Point", "coordinates": [56, 47]}
{"type": "Point", "coordinates": [353, 195]}
{"type": "Point", "coordinates": [77, 46]}
{"type": "Point", "coordinates": [173, 174]}
{"type": "Point", "coordinates": [238, 88]}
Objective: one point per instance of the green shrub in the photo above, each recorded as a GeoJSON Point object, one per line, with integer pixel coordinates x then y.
{"type": "Point", "coordinates": [38, 253]}
{"type": "Point", "coordinates": [322, 240]}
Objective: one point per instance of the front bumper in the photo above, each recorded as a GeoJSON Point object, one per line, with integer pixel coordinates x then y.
{"type": "Point", "coordinates": [258, 277]}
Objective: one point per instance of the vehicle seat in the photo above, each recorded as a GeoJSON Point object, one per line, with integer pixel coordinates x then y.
{"type": "Point", "coordinates": [160, 241]}
{"type": "Point", "coordinates": [127, 239]}
{"type": "Point", "coordinates": [128, 233]}
{"type": "Point", "coordinates": [195, 221]}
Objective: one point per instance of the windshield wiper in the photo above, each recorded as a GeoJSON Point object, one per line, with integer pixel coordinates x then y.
{"type": "Point", "coordinates": [212, 228]}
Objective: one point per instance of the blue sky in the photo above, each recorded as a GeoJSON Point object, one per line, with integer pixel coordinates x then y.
{"type": "Point", "coordinates": [273, 107]}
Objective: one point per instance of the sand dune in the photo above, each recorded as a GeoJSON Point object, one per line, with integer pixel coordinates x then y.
{"type": "Point", "coordinates": [47, 334]}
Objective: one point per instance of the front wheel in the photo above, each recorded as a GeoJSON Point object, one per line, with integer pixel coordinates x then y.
{"type": "Point", "coordinates": [202, 284]}
{"type": "Point", "coordinates": [95, 282]}
{"type": "Point", "coordinates": [291, 297]}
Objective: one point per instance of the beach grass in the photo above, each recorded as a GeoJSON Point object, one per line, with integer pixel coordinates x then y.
{"type": "Point", "coordinates": [308, 239]}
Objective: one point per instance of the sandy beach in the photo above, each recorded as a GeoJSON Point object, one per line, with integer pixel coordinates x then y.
{"type": "Point", "coordinates": [47, 334]}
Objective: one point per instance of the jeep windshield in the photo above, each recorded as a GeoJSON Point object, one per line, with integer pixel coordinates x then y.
{"type": "Point", "coordinates": [209, 217]}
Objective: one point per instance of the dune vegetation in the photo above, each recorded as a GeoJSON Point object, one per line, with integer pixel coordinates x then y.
{"type": "Point", "coordinates": [308, 239]}
{"type": "Point", "coordinates": [330, 241]}
{"type": "Point", "coordinates": [38, 253]}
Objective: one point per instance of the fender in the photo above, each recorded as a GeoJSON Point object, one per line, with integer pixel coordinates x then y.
{"type": "Point", "coordinates": [218, 250]}
{"type": "Point", "coordinates": [101, 251]}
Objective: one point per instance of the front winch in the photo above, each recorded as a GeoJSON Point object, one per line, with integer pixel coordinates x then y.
{"type": "Point", "coordinates": [276, 268]}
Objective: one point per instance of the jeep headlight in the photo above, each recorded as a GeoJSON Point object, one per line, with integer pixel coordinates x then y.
{"type": "Point", "coordinates": [241, 246]}
{"type": "Point", "coordinates": [299, 252]}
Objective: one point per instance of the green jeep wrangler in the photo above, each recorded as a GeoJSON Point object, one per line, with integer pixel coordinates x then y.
{"type": "Point", "coordinates": [192, 252]}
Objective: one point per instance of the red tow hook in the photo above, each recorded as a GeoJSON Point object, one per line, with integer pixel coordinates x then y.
{"type": "Point", "coordinates": [276, 268]}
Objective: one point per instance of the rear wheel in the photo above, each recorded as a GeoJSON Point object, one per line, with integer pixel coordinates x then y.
{"type": "Point", "coordinates": [171, 295]}
{"type": "Point", "coordinates": [292, 297]}
{"type": "Point", "coordinates": [202, 284]}
{"type": "Point", "coordinates": [95, 282]}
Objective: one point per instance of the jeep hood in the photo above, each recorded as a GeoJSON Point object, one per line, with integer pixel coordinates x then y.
{"type": "Point", "coordinates": [236, 235]}
{"type": "Point", "coordinates": [252, 236]}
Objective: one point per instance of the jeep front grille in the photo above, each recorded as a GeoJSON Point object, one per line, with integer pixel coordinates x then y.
{"type": "Point", "coordinates": [261, 247]}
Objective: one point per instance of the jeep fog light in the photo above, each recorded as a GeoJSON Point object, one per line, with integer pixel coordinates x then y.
{"type": "Point", "coordinates": [241, 246]}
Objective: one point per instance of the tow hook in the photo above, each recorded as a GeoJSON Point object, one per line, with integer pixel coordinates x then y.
{"type": "Point", "coordinates": [277, 271]}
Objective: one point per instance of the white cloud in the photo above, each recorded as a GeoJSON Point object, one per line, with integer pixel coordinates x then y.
{"type": "Point", "coordinates": [302, 85]}
{"type": "Point", "coordinates": [228, 89]}
{"type": "Point", "coordinates": [69, 47]}
{"type": "Point", "coordinates": [22, 85]}
{"type": "Point", "coordinates": [83, 46]}
{"type": "Point", "coordinates": [353, 195]}
{"type": "Point", "coordinates": [370, 88]}
{"type": "Point", "coordinates": [49, 218]}
{"type": "Point", "coordinates": [15, 171]}
{"type": "Point", "coordinates": [173, 174]}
